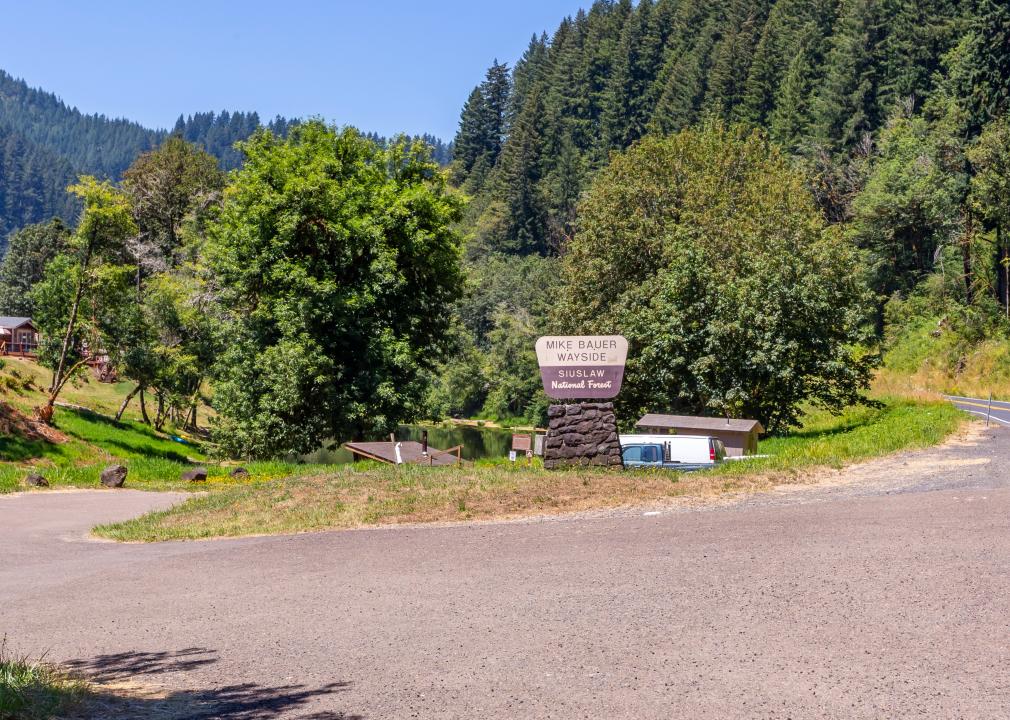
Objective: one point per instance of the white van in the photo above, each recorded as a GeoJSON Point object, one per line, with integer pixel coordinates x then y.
{"type": "Point", "coordinates": [676, 452]}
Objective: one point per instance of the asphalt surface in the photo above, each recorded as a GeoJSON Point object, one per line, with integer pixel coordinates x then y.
{"type": "Point", "coordinates": [884, 593]}
{"type": "Point", "coordinates": [996, 411]}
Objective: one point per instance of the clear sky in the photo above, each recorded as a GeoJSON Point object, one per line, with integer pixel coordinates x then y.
{"type": "Point", "coordinates": [385, 66]}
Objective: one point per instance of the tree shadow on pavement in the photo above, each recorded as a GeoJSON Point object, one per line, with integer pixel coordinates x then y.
{"type": "Point", "coordinates": [123, 688]}
{"type": "Point", "coordinates": [119, 666]}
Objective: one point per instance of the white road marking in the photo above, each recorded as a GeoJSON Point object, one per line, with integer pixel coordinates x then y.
{"type": "Point", "coordinates": [982, 414]}
{"type": "Point", "coordinates": [651, 514]}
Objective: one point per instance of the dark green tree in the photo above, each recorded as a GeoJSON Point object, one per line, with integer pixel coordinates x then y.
{"type": "Point", "coordinates": [734, 295]}
{"type": "Point", "coordinates": [983, 69]}
{"type": "Point", "coordinates": [847, 104]}
{"type": "Point", "coordinates": [31, 249]}
{"type": "Point", "coordinates": [909, 208]}
{"type": "Point", "coordinates": [338, 268]}
{"type": "Point", "coordinates": [165, 185]}
{"type": "Point", "coordinates": [483, 126]}
{"type": "Point", "coordinates": [990, 198]}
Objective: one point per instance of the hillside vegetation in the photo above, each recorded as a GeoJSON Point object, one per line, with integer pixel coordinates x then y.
{"type": "Point", "coordinates": [46, 144]}
{"type": "Point", "coordinates": [85, 438]}
{"type": "Point", "coordinates": [894, 112]}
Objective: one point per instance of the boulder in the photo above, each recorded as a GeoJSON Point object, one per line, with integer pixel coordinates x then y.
{"type": "Point", "coordinates": [35, 480]}
{"type": "Point", "coordinates": [239, 473]}
{"type": "Point", "coordinates": [114, 476]}
{"type": "Point", "coordinates": [195, 475]}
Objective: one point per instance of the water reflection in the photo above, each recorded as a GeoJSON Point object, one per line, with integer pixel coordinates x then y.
{"type": "Point", "coordinates": [477, 442]}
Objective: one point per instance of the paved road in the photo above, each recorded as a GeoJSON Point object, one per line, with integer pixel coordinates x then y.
{"type": "Point", "coordinates": [998, 411]}
{"type": "Point", "coordinates": [886, 595]}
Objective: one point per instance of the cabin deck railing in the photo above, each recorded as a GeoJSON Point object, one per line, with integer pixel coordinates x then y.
{"type": "Point", "coordinates": [28, 350]}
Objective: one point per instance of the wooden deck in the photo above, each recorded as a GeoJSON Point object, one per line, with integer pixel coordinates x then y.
{"type": "Point", "coordinates": [411, 453]}
{"type": "Point", "coordinates": [19, 351]}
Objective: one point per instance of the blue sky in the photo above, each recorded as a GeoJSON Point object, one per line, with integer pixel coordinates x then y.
{"type": "Point", "coordinates": [385, 66]}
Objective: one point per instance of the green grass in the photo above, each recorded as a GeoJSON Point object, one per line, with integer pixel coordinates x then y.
{"type": "Point", "coordinates": [35, 690]}
{"type": "Point", "coordinates": [925, 357]}
{"type": "Point", "coordinates": [154, 461]}
{"type": "Point", "coordinates": [859, 433]}
{"type": "Point", "coordinates": [358, 496]}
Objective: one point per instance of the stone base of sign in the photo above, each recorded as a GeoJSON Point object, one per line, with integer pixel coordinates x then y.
{"type": "Point", "coordinates": [582, 434]}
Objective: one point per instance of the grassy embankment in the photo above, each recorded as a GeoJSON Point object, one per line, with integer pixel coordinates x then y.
{"type": "Point", "coordinates": [92, 439]}
{"type": "Point", "coordinates": [924, 357]}
{"type": "Point", "coordinates": [35, 690]}
{"type": "Point", "coordinates": [355, 497]}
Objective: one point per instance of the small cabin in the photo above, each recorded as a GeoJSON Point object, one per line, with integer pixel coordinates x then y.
{"type": "Point", "coordinates": [18, 336]}
{"type": "Point", "coordinates": [739, 436]}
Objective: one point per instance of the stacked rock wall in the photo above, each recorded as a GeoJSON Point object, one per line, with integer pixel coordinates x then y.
{"type": "Point", "coordinates": [582, 434]}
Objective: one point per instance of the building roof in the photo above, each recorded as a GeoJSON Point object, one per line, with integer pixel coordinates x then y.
{"type": "Point", "coordinates": [15, 322]}
{"type": "Point", "coordinates": [653, 420]}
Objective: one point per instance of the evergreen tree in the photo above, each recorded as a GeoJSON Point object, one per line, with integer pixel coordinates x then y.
{"type": "Point", "coordinates": [521, 226]}
{"type": "Point", "coordinates": [30, 251]}
{"type": "Point", "coordinates": [789, 120]}
{"type": "Point", "coordinates": [847, 105]}
{"type": "Point", "coordinates": [495, 90]}
{"type": "Point", "coordinates": [794, 27]}
{"type": "Point", "coordinates": [741, 25]}
{"type": "Point", "coordinates": [528, 73]}
{"type": "Point", "coordinates": [679, 105]}
{"type": "Point", "coordinates": [483, 126]}
{"type": "Point", "coordinates": [983, 72]}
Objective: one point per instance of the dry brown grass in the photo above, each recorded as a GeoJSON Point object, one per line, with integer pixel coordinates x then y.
{"type": "Point", "coordinates": [355, 497]}
{"type": "Point", "coordinates": [407, 495]}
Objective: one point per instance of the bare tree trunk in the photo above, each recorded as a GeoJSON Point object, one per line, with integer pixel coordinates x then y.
{"type": "Point", "coordinates": [1006, 276]}
{"type": "Point", "coordinates": [966, 242]}
{"type": "Point", "coordinates": [122, 408]}
{"type": "Point", "coordinates": [159, 419]}
{"type": "Point", "coordinates": [1002, 272]}
{"type": "Point", "coordinates": [143, 408]}
{"type": "Point", "coordinates": [45, 413]}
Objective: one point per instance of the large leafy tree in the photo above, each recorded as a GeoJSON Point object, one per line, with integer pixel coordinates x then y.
{"type": "Point", "coordinates": [337, 267]}
{"type": "Point", "coordinates": [705, 249]}
{"type": "Point", "coordinates": [172, 190]}
{"type": "Point", "coordinates": [990, 198]}
{"type": "Point", "coordinates": [82, 291]}
{"type": "Point", "coordinates": [164, 186]}
{"type": "Point", "coordinates": [909, 208]}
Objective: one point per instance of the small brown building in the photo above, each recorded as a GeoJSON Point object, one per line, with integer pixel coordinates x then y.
{"type": "Point", "coordinates": [739, 436]}
{"type": "Point", "coordinates": [18, 336]}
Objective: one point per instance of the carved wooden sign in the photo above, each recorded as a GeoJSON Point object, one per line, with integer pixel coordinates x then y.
{"type": "Point", "coordinates": [585, 367]}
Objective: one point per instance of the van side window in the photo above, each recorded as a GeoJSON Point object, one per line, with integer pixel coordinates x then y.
{"type": "Point", "coordinates": [650, 453]}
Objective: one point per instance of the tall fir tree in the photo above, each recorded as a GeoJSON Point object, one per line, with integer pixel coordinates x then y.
{"type": "Point", "coordinates": [847, 105]}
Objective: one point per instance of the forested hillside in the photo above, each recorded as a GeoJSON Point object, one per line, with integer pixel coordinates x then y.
{"type": "Point", "coordinates": [33, 182]}
{"type": "Point", "coordinates": [818, 75]}
{"type": "Point", "coordinates": [894, 111]}
{"type": "Point", "coordinates": [45, 144]}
